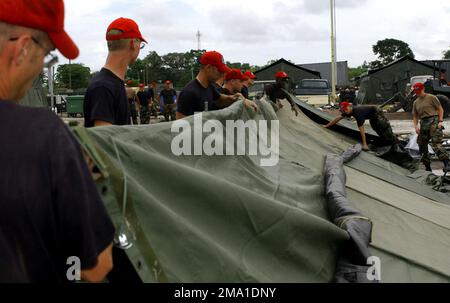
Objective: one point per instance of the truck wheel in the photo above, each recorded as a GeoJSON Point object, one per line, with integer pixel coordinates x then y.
{"type": "Point", "coordinates": [445, 102]}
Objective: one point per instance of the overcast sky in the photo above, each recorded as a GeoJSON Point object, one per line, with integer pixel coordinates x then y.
{"type": "Point", "coordinates": [256, 31]}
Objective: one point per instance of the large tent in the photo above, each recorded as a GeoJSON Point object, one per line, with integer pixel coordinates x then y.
{"type": "Point", "coordinates": [228, 219]}
{"type": "Point", "coordinates": [382, 83]}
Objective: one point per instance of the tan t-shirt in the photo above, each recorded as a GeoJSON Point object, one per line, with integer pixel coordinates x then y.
{"type": "Point", "coordinates": [426, 106]}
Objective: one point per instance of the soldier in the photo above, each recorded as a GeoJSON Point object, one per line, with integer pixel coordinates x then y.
{"type": "Point", "coordinates": [234, 81]}
{"type": "Point", "coordinates": [168, 98]}
{"type": "Point", "coordinates": [378, 121]}
{"type": "Point", "coordinates": [50, 209]}
{"type": "Point", "coordinates": [277, 92]}
{"type": "Point", "coordinates": [200, 94]}
{"type": "Point", "coordinates": [106, 99]}
{"type": "Point", "coordinates": [429, 110]}
{"type": "Point", "coordinates": [142, 98]}
{"type": "Point", "coordinates": [248, 82]}
{"type": "Point", "coordinates": [131, 96]}
{"type": "Point", "coordinates": [152, 98]}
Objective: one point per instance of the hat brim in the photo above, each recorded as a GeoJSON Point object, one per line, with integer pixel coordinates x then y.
{"type": "Point", "coordinates": [224, 69]}
{"type": "Point", "coordinates": [64, 44]}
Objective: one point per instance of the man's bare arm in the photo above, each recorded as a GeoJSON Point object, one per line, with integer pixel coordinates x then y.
{"type": "Point", "coordinates": [101, 123]}
{"type": "Point", "coordinates": [335, 121]}
{"type": "Point", "coordinates": [180, 116]}
{"type": "Point", "coordinates": [416, 122]}
{"type": "Point", "coordinates": [363, 138]}
{"type": "Point", "coordinates": [225, 101]}
{"type": "Point", "coordinates": [103, 267]}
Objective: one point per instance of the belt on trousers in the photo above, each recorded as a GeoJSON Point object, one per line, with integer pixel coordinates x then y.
{"type": "Point", "coordinates": [429, 117]}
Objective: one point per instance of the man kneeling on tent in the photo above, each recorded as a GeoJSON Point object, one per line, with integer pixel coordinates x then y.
{"type": "Point", "coordinates": [378, 121]}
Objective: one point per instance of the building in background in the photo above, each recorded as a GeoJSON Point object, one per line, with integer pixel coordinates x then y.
{"type": "Point", "coordinates": [296, 73]}
{"type": "Point", "coordinates": [382, 83]}
{"type": "Point", "coordinates": [325, 71]}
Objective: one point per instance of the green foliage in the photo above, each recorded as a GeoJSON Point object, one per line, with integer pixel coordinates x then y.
{"type": "Point", "coordinates": [177, 67]}
{"type": "Point", "coordinates": [354, 72]}
{"type": "Point", "coordinates": [73, 76]}
{"type": "Point", "coordinates": [389, 50]}
{"type": "Point", "coordinates": [446, 54]}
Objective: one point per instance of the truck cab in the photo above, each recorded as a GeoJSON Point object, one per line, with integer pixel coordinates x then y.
{"type": "Point", "coordinates": [315, 92]}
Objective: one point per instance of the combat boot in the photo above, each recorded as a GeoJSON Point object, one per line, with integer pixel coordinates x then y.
{"type": "Point", "coordinates": [428, 167]}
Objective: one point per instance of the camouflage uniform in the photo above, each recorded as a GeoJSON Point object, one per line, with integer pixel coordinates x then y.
{"type": "Point", "coordinates": [145, 115]}
{"type": "Point", "coordinates": [380, 124]}
{"type": "Point", "coordinates": [169, 112]}
{"type": "Point", "coordinates": [133, 111]}
{"type": "Point", "coordinates": [429, 130]}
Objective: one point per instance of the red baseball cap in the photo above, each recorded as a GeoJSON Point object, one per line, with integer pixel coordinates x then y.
{"type": "Point", "coordinates": [235, 74]}
{"type": "Point", "coordinates": [129, 28]}
{"type": "Point", "coordinates": [250, 75]}
{"type": "Point", "coordinates": [281, 75]}
{"type": "Point", "coordinates": [418, 87]}
{"type": "Point", "coordinates": [142, 85]}
{"type": "Point", "coordinates": [44, 15]}
{"type": "Point", "coordinates": [215, 59]}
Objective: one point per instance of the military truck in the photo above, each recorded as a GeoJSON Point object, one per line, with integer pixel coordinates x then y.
{"type": "Point", "coordinates": [433, 86]}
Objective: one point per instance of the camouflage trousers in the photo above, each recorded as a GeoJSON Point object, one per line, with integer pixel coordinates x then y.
{"type": "Point", "coordinates": [145, 115]}
{"type": "Point", "coordinates": [154, 109]}
{"type": "Point", "coordinates": [169, 112]}
{"type": "Point", "coordinates": [429, 131]}
{"type": "Point", "coordinates": [380, 124]}
{"type": "Point", "coordinates": [133, 112]}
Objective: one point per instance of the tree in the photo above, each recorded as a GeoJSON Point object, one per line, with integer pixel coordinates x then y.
{"type": "Point", "coordinates": [73, 76]}
{"type": "Point", "coordinates": [446, 54]}
{"type": "Point", "coordinates": [356, 71]}
{"type": "Point", "coordinates": [389, 50]}
{"type": "Point", "coordinates": [136, 71]}
{"type": "Point", "coordinates": [177, 67]}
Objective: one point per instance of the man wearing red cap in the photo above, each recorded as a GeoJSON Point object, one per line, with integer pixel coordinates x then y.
{"type": "Point", "coordinates": [378, 121]}
{"type": "Point", "coordinates": [50, 209]}
{"type": "Point", "coordinates": [106, 101]}
{"type": "Point", "coordinates": [277, 92]}
{"type": "Point", "coordinates": [248, 82]}
{"type": "Point", "coordinates": [429, 111]}
{"type": "Point", "coordinates": [233, 85]}
{"type": "Point", "coordinates": [200, 94]}
{"type": "Point", "coordinates": [168, 99]}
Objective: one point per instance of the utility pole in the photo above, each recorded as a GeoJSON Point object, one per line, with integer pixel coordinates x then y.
{"type": "Point", "coordinates": [51, 73]}
{"type": "Point", "coordinates": [70, 74]}
{"type": "Point", "coordinates": [333, 51]}
{"type": "Point", "coordinates": [199, 37]}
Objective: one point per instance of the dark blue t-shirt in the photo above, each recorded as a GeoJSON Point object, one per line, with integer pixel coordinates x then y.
{"type": "Point", "coordinates": [244, 91]}
{"type": "Point", "coordinates": [143, 98]}
{"type": "Point", "coordinates": [362, 113]}
{"type": "Point", "coordinates": [194, 97]}
{"type": "Point", "coordinates": [50, 208]}
{"type": "Point", "coordinates": [106, 100]}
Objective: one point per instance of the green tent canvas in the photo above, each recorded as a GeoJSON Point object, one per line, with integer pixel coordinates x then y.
{"type": "Point", "coordinates": [228, 219]}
